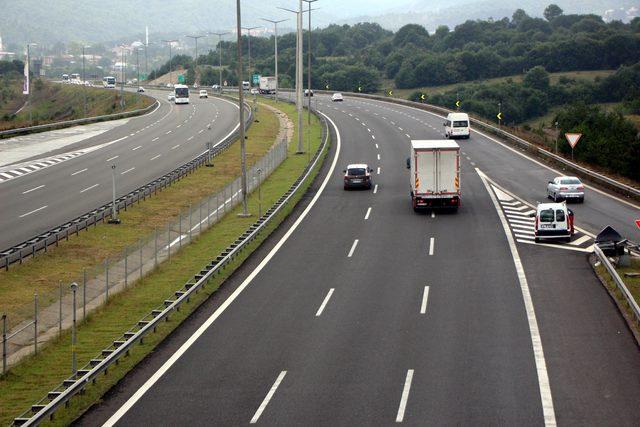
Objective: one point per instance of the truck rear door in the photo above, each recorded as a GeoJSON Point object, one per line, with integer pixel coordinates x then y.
{"type": "Point", "coordinates": [426, 172]}
{"type": "Point", "coordinates": [447, 166]}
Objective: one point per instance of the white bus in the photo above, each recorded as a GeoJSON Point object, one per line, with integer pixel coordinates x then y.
{"type": "Point", "coordinates": [65, 78]}
{"type": "Point", "coordinates": [109, 82]}
{"type": "Point", "coordinates": [181, 94]}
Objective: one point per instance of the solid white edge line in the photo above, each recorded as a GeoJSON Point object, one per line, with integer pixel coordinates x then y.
{"type": "Point", "coordinates": [193, 338]}
{"type": "Point", "coordinates": [268, 397]}
{"type": "Point", "coordinates": [366, 216]}
{"type": "Point", "coordinates": [324, 302]}
{"type": "Point", "coordinates": [536, 341]}
{"type": "Point", "coordinates": [432, 241]}
{"type": "Point", "coordinates": [425, 297]}
{"type": "Point", "coordinates": [405, 396]}
{"type": "Point", "coordinates": [353, 248]}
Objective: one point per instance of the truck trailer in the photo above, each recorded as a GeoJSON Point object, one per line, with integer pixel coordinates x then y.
{"type": "Point", "coordinates": [268, 85]}
{"type": "Point", "coordinates": [434, 174]}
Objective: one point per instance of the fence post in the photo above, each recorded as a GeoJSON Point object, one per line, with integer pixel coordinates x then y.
{"type": "Point", "coordinates": [155, 246]}
{"type": "Point", "coordinates": [126, 266]}
{"type": "Point", "coordinates": [60, 310]}
{"type": "Point", "coordinates": [200, 215]}
{"type": "Point", "coordinates": [190, 214]}
{"type": "Point", "coordinates": [106, 279]}
{"type": "Point", "coordinates": [84, 294]}
{"type": "Point", "coordinates": [180, 229]}
{"type": "Point", "coordinates": [4, 344]}
{"type": "Point", "coordinates": [217, 206]}
{"type": "Point", "coordinates": [35, 322]}
{"type": "Point", "coordinates": [140, 243]}
{"type": "Point", "coordinates": [169, 240]}
{"type": "Point", "coordinates": [74, 287]}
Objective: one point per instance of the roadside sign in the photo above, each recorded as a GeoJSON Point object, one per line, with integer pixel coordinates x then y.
{"type": "Point", "coordinates": [458, 104]}
{"type": "Point", "coordinates": [390, 92]}
{"type": "Point", "coordinates": [573, 138]}
{"type": "Point", "coordinates": [423, 97]}
{"type": "Point", "coordinates": [180, 79]}
{"type": "Point", "coordinates": [326, 87]}
{"type": "Point", "coordinates": [638, 222]}
{"type": "Point", "coordinates": [359, 88]}
{"type": "Point", "coordinates": [256, 79]}
{"type": "Point", "coordinates": [499, 116]}
{"type": "Point", "coordinates": [225, 83]}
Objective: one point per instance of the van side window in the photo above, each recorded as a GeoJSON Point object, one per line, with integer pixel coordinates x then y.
{"type": "Point", "coordinates": [448, 123]}
{"type": "Point", "coordinates": [560, 215]}
{"type": "Point", "coordinates": [546, 215]}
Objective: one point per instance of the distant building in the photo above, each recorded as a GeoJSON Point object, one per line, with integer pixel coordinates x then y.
{"type": "Point", "coordinates": [3, 54]}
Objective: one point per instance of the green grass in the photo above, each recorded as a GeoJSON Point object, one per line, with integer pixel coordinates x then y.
{"type": "Point", "coordinates": [555, 77]}
{"type": "Point", "coordinates": [52, 102]}
{"type": "Point", "coordinates": [632, 283]}
{"type": "Point", "coordinates": [90, 248]}
{"type": "Point", "coordinates": [29, 381]}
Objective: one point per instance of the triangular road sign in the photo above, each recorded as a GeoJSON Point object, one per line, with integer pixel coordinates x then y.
{"type": "Point", "coordinates": [638, 222]}
{"type": "Point", "coordinates": [573, 138]}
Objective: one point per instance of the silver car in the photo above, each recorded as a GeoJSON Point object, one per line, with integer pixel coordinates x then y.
{"type": "Point", "coordinates": [565, 188]}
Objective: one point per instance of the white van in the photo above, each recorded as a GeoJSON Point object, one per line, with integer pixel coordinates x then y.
{"type": "Point", "coordinates": [553, 221]}
{"type": "Point", "coordinates": [246, 85]}
{"type": "Point", "coordinates": [457, 126]}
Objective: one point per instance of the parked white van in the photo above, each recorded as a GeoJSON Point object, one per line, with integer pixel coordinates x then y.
{"type": "Point", "coordinates": [457, 126]}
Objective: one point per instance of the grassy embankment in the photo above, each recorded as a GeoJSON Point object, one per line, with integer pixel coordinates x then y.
{"type": "Point", "coordinates": [51, 102]}
{"type": "Point", "coordinates": [632, 283]}
{"type": "Point", "coordinates": [34, 377]}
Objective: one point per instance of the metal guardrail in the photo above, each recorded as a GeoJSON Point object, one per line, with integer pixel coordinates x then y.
{"type": "Point", "coordinates": [69, 123]}
{"type": "Point", "coordinates": [628, 297]}
{"type": "Point", "coordinates": [75, 384]}
{"type": "Point", "coordinates": [598, 178]}
{"type": "Point", "coordinates": [42, 241]}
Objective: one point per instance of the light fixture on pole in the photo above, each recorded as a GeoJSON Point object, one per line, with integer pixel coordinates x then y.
{"type": "Point", "coordinates": [84, 83]}
{"type": "Point", "coordinates": [275, 32]}
{"type": "Point", "coordinates": [243, 148]}
{"type": "Point", "coordinates": [309, 62]}
{"type": "Point", "coordinates": [220, 55]}
{"type": "Point", "coordinates": [248, 29]}
{"type": "Point", "coordinates": [195, 78]}
{"type": "Point", "coordinates": [169, 42]}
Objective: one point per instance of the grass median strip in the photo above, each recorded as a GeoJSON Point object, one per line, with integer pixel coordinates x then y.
{"type": "Point", "coordinates": [90, 248]}
{"type": "Point", "coordinates": [35, 376]}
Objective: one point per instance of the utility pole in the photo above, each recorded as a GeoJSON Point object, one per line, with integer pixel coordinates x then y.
{"type": "Point", "coordinates": [74, 337]}
{"type": "Point", "coordinates": [275, 32]}
{"type": "Point", "coordinates": [114, 211]}
{"type": "Point", "coordinates": [138, 65]}
{"type": "Point", "coordinates": [170, 57]}
{"type": "Point", "coordinates": [309, 64]}
{"type": "Point", "coordinates": [243, 148]}
{"type": "Point", "coordinates": [28, 88]}
{"type": "Point", "coordinates": [122, 67]}
{"type": "Point", "coordinates": [248, 29]}
{"type": "Point", "coordinates": [195, 79]}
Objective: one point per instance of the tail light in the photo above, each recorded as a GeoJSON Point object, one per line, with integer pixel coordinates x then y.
{"type": "Point", "coordinates": [564, 188]}
{"type": "Point", "coordinates": [580, 187]}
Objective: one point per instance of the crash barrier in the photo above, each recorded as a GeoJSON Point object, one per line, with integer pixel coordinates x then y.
{"type": "Point", "coordinates": [77, 382]}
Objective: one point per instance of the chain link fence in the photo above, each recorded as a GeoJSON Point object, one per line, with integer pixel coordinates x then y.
{"type": "Point", "coordinates": [52, 313]}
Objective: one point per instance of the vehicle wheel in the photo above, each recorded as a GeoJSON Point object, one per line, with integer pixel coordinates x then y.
{"type": "Point", "coordinates": [536, 240]}
{"type": "Point", "coordinates": [581, 200]}
{"type": "Point", "coordinates": [346, 188]}
{"type": "Point", "coordinates": [555, 197]}
{"type": "Point", "coordinates": [567, 239]}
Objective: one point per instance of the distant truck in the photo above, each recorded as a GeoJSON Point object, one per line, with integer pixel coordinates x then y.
{"type": "Point", "coordinates": [435, 174]}
{"type": "Point", "coordinates": [268, 85]}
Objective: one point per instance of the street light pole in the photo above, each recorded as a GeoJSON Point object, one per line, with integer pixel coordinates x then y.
{"type": "Point", "coordinates": [220, 56]}
{"type": "Point", "coordinates": [170, 57]}
{"type": "Point", "coordinates": [243, 148]}
{"type": "Point", "coordinates": [195, 79]}
{"type": "Point", "coordinates": [248, 29]}
{"type": "Point", "coordinates": [29, 80]}
{"type": "Point", "coordinates": [84, 90]}
{"type": "Point", "coordinates": [309, 62]}
{"type": "Point", "coordinates": [275, 32]}
{"type": "Point", "coordinates": [114, 211]}
{"type": "Point", "coordinates": [122, 67]}
{"type": "Point", "coordinates": [138, 65]}
{"type": "Point", "coordinates": [74, 338]}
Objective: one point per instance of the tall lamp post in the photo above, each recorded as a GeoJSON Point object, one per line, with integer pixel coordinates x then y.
{"type": "Point", "coordinates": [28, 88]}
{"type": "Point", "coordinates": [195, 79]}
{"type": "Point", "coordinates": [220, 55]}
{"type": "Point", "coordinates": [248, 29]}
{"type": "Point", "coordinates": [309, 61]}
{"type": "Point", "coordinates": [169, 42]}
{"type": "Point", "coordinates": [123, 67]}
{"type": "Point", "coordinates": [275, 32]}
{"type": "Point", "coordinates": [243, 148]}
{"type": "Point", "coordinates": [84, 79]}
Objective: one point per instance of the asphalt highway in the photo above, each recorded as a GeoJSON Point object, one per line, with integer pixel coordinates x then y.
{"type": "Point", "coordinates": [370, 314]}
{"type": "Point", "coordinates": [143, 149]}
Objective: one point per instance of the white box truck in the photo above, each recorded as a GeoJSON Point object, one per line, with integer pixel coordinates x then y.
{"type": "Point", "coordinates": [267, 85]}
{"type": "Point", "coordinates": [435, 174]}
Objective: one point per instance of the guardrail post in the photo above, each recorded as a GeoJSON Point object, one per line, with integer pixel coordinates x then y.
{"type": "Point", "coordinates": [4, 344]}
{"type": "Point", "coordinates": [126, 266]}
{"type": "Point", "coordinates": [155, 246]}
{"type": "Point", "coordinates": [84, 294]}
{"type": "Point", "coordinates": [35, 323]}
{"type": "Point", "coordinates": [60, 310]}
{"type": "Point", "coordinates": [140, 243]}
{"type": "Point", "coordinates": [106, 280]}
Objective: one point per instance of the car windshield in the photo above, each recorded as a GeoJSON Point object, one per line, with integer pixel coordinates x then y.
{"type": "Point", "coordinates": [460, 124]}
{"type": "Point", "coordinates": [570, 181]}
{"type": "Point", "coordinates": [182, 92]}
{"type": "Point", "coordinates": [356, 171]}
{"type": "Point", "coordinates": [546, 215]}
